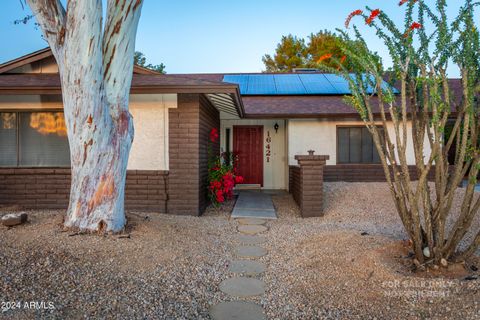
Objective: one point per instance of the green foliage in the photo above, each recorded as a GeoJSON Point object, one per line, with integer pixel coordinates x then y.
{"type": "Point", "coordinates": [423, 62]}
{"type": "Point", "coordinates": [443, 114]}
{"type": "Point", "coordinates": [140, 60]}
{"type": "Point", "coordinates": [293, 52]}
{"type": "Point", "coordinates": [290, 53]}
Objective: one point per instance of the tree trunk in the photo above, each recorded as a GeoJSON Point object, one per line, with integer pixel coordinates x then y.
{"type": "Point", "coordinates": [98, 175]}
{"type": "Point", "coordinates": [95, 69]}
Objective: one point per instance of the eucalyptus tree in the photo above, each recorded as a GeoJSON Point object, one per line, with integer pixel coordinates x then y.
{"type": "Point", "coordinates": [95, 62]}
{"type": "Point", "coordinates": [430, 102]}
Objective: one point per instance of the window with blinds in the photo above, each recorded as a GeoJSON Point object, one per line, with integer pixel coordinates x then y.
{"type": "Point", "coordinates": [8, 139]}
{"type": "Point", "coordinates": [33, 139]}
{"type": "Point", "coordinates": [355, 145]}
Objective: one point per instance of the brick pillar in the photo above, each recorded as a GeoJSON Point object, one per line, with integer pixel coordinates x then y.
{"type": "Point", "coordinates": [189, 128]}
{"type": "Point", "coordinates": [183, 140]}
{"type": "Point", "coordinates": [308, 189]}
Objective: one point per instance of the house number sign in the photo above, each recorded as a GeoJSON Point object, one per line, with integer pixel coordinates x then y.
{"type": "Point", "coordinates": [268, 150]}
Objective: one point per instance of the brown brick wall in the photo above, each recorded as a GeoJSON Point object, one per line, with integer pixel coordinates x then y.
{"type": "Point", "coordinates": [209, 118]}
{"type": "Point", "coordinates": [48, 188]}
{"type": "Point", "coordinates": [146, 190]}
{"type": "Point", "coordinates": [362, 173]}
{"type": "Point", "coordinates": [295, 183]}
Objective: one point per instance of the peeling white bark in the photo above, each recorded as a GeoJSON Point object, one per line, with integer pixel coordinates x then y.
{"type": "Point", "coordinates": [95, 68]}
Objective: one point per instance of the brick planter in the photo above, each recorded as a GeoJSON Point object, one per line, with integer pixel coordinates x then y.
{"type": "Point", "coordinates": [306, 184]}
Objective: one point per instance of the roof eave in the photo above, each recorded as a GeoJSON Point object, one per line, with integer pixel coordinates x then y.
{"type": "Point", "coordinates": [301, 115]}
{"type": "Point", "coordinates": [135, 90]}
{"type": "Point", "coordinates": [26, 59]}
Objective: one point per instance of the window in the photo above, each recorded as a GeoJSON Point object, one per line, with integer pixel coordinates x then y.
{"type": "Point", "coordinates": [8, 139]}
{"type": "Point", "coordinates": [355, 145]}
{"type": "Point", "coordinates": [33, 139]}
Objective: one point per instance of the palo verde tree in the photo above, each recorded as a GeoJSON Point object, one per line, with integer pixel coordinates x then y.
{"type": "Point", "coordinates": [95, 62]}
{"type": "Point", "coordinates": [426, 100]}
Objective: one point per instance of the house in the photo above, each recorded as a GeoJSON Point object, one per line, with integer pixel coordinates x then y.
{"type": "Point", "coordinates": [267, 119]}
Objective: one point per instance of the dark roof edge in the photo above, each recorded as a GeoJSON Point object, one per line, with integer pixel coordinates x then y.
{"type": "Point", "coordinates": [26, 59]}
{"type": "Point", "coordinates": [45, 53]}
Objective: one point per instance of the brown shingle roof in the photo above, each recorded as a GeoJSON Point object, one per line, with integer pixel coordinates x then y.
{"type": "Point", "coordinates": [255, 106]}
{"type": "Point", "coordinates": [299, 106]}
{"type": "Point", "coordinates": [12, 83]}
{"type": "Point", "coordinates": [45, 53]}
{"type": "Point", "coordinates": [302, 106]}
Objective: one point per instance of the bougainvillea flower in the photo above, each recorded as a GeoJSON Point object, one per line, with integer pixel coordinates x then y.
{"type": "Point", "coordinates": [219, 196]}
{"type": "Point", "coordinates": [375, 13]}
{"type": "Point", "coordinates": [216, 184]}
{"type": "Point", "coordinates": [214, 135]}
{"type": "Point", "coordinates": [342, 60]}
{"type": "Point", "coordinates": [238, 179]}
{"type": "Point", "coordinates": [351, 15]}
{"type": "Point", "coordinates": [324, 57]}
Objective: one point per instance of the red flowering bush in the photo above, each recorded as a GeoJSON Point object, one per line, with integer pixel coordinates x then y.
{"type": "Point", "coordinates": [214, 135]}
{"type": "Point", "coordinates": [222, 176]}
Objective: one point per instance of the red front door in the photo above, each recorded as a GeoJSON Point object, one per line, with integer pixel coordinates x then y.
{"type": "Point", "coordinates": [248, 146]}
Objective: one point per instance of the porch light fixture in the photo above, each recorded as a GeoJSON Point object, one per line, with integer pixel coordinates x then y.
{"type": "Point", "coordinates": [276, 126]}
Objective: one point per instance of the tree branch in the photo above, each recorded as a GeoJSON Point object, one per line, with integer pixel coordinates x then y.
{"type": "Point", "coordinates": [51, 17]}
{"type": "Point", "coordinates": [119, 37]}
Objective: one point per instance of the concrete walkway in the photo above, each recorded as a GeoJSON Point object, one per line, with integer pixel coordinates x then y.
{"type": "Point", "coordinates": [254, 204]}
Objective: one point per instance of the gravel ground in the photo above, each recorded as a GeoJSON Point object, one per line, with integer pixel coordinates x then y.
{"type": "Point", "coordinates": [325, 268]}
{"type": "Point", "coordinates": [171, 266]}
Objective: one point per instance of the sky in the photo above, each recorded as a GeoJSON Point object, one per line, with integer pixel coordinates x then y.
{"type": "Point", "coordinates": [208, 36]}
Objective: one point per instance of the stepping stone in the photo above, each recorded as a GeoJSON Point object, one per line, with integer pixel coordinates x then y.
{"type": "Point", "coordinates": [251, 221]}
{"type": "Point", "coordinates": [248, 267]}
{"type": "Point", "coordinates": [242, 287]}
{"type": "Point", "coordinates": [249, 239]}
{"type": "Point", "coordinates": [237, 310]}
{"type": "Point", "coordinates": [250, 252]}
{"type": "Point", "coordinates": [249, 229]}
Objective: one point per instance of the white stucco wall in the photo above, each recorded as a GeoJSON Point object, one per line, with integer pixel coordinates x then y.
{"type": "Point", "coordinates": [321, 136]}
{"type": "Point", "coordinates": [150, 119]}
{"type": "Point", "coordinates": [275, 171]}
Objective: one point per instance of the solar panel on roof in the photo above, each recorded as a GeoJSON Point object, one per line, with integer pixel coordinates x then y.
{"type": "Point", "coordinates": [339, 84]}
{"type": "Point", "coordinates": [240, 79]}
{"type": "Point", "coordinates": [261, 84]}
{"type": "Point", "coordinates": [289, 84]}
{"type": "Point", "coordinates": [317, 84]}
{"type": "Point", "coordinates": [292, 84]}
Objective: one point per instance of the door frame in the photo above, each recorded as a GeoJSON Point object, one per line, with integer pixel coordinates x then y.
{"type": "Point", "coordinates": [261, 144]}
